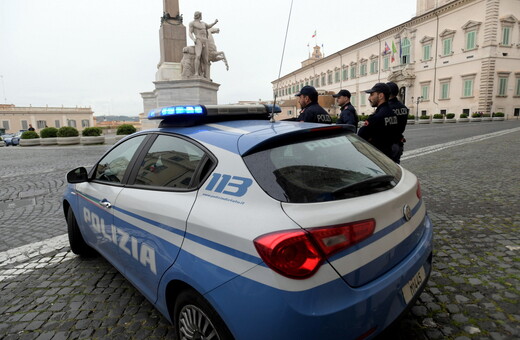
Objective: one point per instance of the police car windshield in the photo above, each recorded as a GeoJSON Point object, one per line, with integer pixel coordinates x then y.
{"type": "Point", "coordinates": [322, 169]}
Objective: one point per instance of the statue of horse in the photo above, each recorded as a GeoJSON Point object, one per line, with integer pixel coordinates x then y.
{"type": "Point", "coordinates": [214, 54]}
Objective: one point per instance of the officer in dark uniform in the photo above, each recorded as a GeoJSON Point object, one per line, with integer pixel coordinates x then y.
{"type": "Point", "coordinates": [348, 113]}
{"type": "Point", "coordinates": [401, 112]}
{"type": "Point", "coordinates": [311, 111]}
{"type": "Point", "coordinates": [380, 129]}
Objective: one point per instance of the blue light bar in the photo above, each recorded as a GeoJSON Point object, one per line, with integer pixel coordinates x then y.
{"type": "Point", "coordinates": [169, 111]}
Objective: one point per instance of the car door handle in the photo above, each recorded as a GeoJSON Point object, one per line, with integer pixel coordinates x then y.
{"type": "Point", "coordinates": [106, 203]}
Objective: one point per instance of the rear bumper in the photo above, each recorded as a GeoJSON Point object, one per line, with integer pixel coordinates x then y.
{"type": "Point", "coordinates": [333, 310]}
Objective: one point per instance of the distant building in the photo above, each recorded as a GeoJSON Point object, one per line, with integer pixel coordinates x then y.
{"type": "Point", "coordinates": [107, 122]}
{"type": "Point", "coordinates": [14, 119]}
{"type": "Point", "coordinates": [454, 56]}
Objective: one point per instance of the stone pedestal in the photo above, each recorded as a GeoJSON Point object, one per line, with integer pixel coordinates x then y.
{"type": "Point", "coordinates": [168, 71]}
{"type": "Point", "coordinates": [178, 92]}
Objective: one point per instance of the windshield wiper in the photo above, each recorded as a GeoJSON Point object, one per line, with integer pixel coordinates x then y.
{"type": "Point", "coordinates": [369, 183]}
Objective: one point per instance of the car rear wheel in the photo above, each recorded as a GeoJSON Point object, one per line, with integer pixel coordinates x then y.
{"type": "Point", "coordinates": [76, 241]}
{"type": "Point", "coordinates": [196, 319]}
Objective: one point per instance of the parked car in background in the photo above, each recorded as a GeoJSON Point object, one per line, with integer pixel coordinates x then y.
{"type": "Point", "coordinates": [12, 138]}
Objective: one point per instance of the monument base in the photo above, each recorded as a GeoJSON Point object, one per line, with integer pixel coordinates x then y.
{"type": "Point", "coordinates": [178, 92]}
{"type": "Point", "coordinates": [168, 71]}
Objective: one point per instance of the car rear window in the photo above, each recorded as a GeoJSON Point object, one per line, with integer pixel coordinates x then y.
{"type": "Point", "coordinates": [318, 168]}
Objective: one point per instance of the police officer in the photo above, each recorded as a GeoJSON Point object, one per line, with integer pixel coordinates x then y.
{"type": "Point", "coordinates": [401, 112]}
{"type": "Point", "coordinates": [311, 111]}
{"type": "Point", "coordinates": [348, 113]}
{"type": "Point", "coordinates": [380, 128]}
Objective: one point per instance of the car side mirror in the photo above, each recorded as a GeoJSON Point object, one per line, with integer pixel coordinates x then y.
{"type": "Point", "coordinates": [78, 175]}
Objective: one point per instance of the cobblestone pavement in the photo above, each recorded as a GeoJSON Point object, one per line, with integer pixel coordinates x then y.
{"type": "Point", "coordinates": [471, 190]}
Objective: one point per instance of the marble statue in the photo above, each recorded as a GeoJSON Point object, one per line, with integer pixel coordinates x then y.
{"type": "Point", "coordinates": [196, 60]}
{"type": "Point", "coordinates": [199, 34]}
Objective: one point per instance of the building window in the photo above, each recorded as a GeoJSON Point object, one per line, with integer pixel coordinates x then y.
{"type": "Point", "coordinates": [71, 122]}
{"type": "Point", "coordinates": [323, 83]}
{"type": "Point", "coordinates": [40, 124]}
{"type": "Point", "coordinates": [502, 85]}
{"type": "Point", "coordinates": [353, 100]}
{"type": "Point", "coordinates": [425, 92]}
{"type": "Point", "coordinates": [353, 73]}
{"type": "Point", "coordinates": [405, 51]}
{"type": "Point", "coordinates": [363, 99]}
{"type": "Point", "coordinates": [25, 125]}
{"type": "Point", "coordinates": [471, 28]}
{"type": "Point", "coordinates": [517, 86]}
{"type": "Point", "coordinates": [329, 78]}
{"type": "Point", "coordinates": [427, 43]}
{"type": "Point", "coordinates": [465, 111]}
{"type": "Point", "coordinates": [468, 88]}
{"type": "Point", "coordinates": [57, 124]}
{"type": "Point", "coordinates": [345, 73]}
{"type": "Point", "coordinates": [507, 30]}
{"type": "Point", "coordinates": [386, 62]}
{"type": "Point", "coordinates": [471, 43]}
{"type": "Point", "coordinates": [445, 90]}
{"type": "Point", "coordinates": [446, 47]}
{"type": "Point", "coordinates": [374, 66]}
{"type": "Point", "coordinates": [312, 82]}
{"type": "Point", "coordinates": [506, 35]}
{"type": "Point", "coordinates": [426, 52]}
{"type": "Point", "coordinates": [5, 125]}
{"type": "Point", "coordinates": [336, 76]}
{"type": "Point", "coordinates": [85, 123]}
{"type": "Point", "coordinates": [363, 69]}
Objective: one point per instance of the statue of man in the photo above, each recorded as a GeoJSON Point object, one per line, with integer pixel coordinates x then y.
{"type": "Point", "coordinates": [199, 35]}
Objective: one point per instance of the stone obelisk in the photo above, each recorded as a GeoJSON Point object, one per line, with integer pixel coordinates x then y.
{"type": "Point", "coordinates": [172, 37]}
{"type": "Point", "coordinates": [170, 88]}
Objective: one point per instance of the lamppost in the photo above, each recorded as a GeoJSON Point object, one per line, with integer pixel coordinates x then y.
{"type": "Point", "coordinates": [419, 99]}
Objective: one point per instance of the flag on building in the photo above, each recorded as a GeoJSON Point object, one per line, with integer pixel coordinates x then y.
{"type": "Point", "coordinates": [394, 51]}
{"type": "Point", "coordinates": [314, 35]}
{"type": "Point", "coordinates": [387, 48]}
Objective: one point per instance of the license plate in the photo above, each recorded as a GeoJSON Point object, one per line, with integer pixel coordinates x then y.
{"type": "Point", "coordinates": [411, 287]}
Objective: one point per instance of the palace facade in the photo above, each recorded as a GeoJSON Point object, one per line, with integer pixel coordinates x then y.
{"type": "Point", "coordinates": [460, 56]}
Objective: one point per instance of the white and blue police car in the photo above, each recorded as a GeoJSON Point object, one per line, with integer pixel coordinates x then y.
{"type": "Point", "coordinates": [239, 227]}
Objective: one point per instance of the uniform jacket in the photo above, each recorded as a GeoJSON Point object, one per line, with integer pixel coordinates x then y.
{"type": "Point", "coordinates": [348, 115]}
{"type": "Point", "coordinates": [381, 129]}
{"type": "Point", "coordinates": [314, 113]}
{"type": "Point", "coordinates": [401, 111]}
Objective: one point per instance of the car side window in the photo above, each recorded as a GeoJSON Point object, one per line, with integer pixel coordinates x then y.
{"type": "Point", "coordinates": [113, 166]}
{"type": "Point", "coordinates": [171, 162]}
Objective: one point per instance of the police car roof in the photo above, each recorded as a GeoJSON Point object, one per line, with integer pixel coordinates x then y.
{"type": "Point", "coordinates": [240, 136]}
{"type": "Point", "coordinates": [235, 128]}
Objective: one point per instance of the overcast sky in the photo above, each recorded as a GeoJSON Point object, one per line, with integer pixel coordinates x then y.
{"type": "Point", "coordinates": [104, 53]}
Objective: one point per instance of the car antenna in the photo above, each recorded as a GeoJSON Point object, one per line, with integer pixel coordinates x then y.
{"type": "Point", "coordinates": [281, 62]}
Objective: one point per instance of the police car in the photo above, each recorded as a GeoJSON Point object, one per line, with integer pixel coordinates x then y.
{"type": "Point", "coordinates": [237, 226]}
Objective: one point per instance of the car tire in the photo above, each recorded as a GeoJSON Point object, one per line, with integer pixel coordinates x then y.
{"type": "Point", "coordinates": [76, 241]}
{"type": "Point", "coordinates": [196, 319]}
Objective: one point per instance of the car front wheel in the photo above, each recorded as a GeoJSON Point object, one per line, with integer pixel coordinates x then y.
{"type": "Point", "coordinates": [196, 319]}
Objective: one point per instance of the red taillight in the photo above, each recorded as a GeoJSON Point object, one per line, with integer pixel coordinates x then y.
{"type": "Point", "coordinates": [419, 193]}
{"type": "Point", "coordinates": [290, 253]}
{"type": "Point", "coordinates": [298, 254]}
